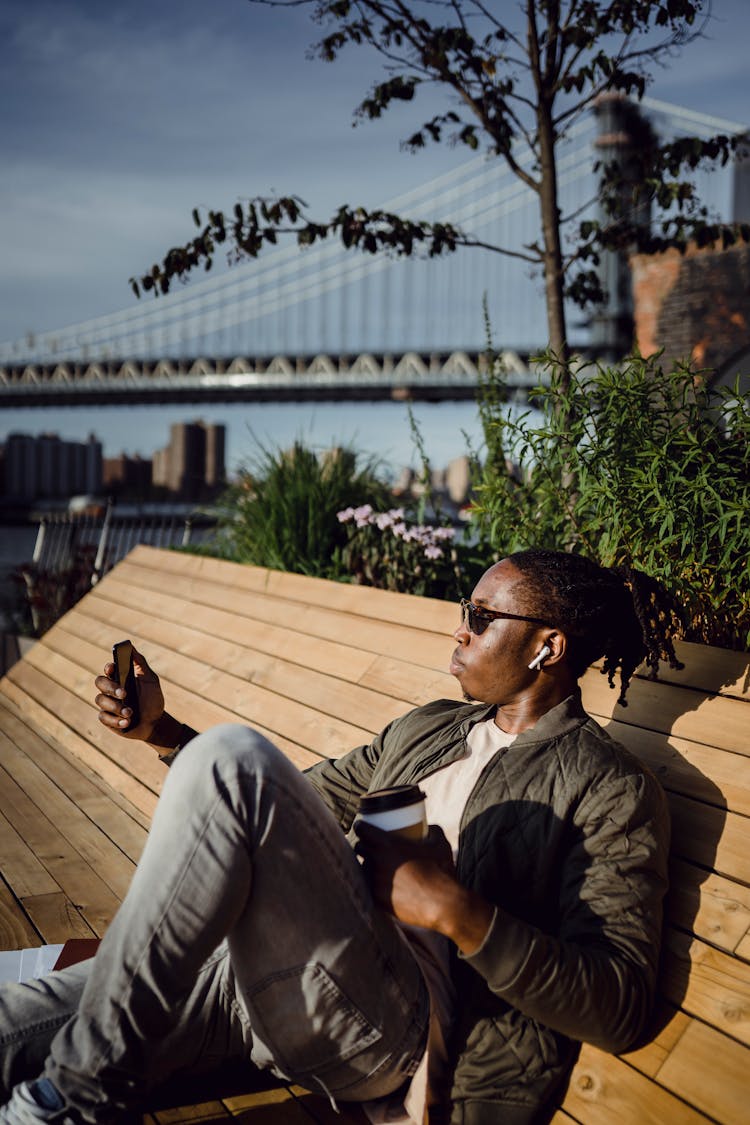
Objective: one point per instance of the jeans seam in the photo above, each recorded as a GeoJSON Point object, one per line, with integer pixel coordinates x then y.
{"type": "Point", "coordinates": [105, 1055]}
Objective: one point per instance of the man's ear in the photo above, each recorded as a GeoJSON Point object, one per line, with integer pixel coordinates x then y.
{"type": "Point", "coordinates": [550, 651]}
{"type": "Point", "coordinates": [557, 643]}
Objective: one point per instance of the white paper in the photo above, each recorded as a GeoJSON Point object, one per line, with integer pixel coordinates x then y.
{"type": "Point", "coordinates": [27, 964]}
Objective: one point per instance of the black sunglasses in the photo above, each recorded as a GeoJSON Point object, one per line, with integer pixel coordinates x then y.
{"type": "Point", "coordinates": [478, 619]}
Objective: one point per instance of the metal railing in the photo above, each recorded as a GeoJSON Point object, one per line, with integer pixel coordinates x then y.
{"type": "Point", "coordinates": [65, 540]}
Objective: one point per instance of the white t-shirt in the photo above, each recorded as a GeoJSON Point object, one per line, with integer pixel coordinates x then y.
{"type": "Point", "coordinates": [446, 792]}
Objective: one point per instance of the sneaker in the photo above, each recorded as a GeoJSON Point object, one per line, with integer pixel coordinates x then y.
{"type": "Point", "coordinates": [32, 1102]}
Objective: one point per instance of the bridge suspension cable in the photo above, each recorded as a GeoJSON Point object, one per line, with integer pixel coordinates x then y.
{"type": "Point", "coordinates": [481, 196]}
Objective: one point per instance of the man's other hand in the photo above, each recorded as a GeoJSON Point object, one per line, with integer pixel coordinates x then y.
{"type": "Point", "coordinates": [415, 880]}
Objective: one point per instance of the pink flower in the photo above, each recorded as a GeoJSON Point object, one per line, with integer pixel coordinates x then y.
{"type": "Point", "coordinates": [433, 552]}
{"type": "Point", "coordinates": [345, 515]}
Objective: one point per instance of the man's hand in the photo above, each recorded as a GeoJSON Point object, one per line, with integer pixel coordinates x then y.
{"type": "Point", "coordinates": [114, 713]}
{"type": "Point", "coordinates": [416, 882]}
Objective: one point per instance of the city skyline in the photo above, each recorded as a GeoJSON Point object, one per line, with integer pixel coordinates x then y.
{"type": "Point", "coordinates": [44, 465]}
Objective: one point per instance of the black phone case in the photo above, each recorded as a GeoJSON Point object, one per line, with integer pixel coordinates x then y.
{"type": "Point", "coordinates": [131, 690]}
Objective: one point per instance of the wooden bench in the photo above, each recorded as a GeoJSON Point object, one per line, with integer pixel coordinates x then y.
{"type": "Point", "coordinates": [319, 667]}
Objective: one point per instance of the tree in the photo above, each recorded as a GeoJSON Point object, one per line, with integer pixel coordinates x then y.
{"type": "Point", "coordinates": [512, 89]}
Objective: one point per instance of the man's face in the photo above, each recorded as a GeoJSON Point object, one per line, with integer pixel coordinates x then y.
{"type": "Point", "coordinates": [493, 667]}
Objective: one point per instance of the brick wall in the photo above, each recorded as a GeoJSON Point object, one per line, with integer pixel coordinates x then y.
{"type": "Point", "coordinates": [696, 306]}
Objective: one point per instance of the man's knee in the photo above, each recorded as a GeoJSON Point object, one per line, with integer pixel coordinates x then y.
{"type": "Point", "coordinates": [227, 749]}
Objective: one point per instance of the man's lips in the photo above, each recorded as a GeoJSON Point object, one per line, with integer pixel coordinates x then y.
{"type": "Point", "coordinates": [456, 665]}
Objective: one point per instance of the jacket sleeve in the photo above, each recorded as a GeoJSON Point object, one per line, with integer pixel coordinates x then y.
{"type": "Point", "coordinates": [594, 979]}
{"type": "Point", "coordinates": [341, 781]}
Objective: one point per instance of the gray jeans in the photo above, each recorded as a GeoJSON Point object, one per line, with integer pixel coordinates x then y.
{"type": "Point", "coordinates": [248, 932]}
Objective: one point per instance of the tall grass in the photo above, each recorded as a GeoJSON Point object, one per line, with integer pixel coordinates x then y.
{"type": "Point", "coordinates": [281, 512]}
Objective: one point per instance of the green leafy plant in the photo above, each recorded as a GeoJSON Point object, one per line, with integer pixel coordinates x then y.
{"type": "Point", "coordinates": [630, 465]}
{"type": "Point", "coordinates": [281, 512]}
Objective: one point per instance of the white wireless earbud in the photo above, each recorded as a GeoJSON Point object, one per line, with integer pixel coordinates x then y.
{"type": "Point", "coordinates": [543, 653]}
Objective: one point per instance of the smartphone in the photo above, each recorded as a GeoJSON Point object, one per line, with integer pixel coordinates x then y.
{"type": "Point", "coordinates": [122, 655]}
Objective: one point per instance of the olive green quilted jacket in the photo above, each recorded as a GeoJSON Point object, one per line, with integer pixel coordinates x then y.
{"type": "Point", "coordinates": [566, 833]}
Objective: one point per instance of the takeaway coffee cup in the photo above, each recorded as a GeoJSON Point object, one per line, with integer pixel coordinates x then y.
{"type": "Point", "coordinates": [399, 809]}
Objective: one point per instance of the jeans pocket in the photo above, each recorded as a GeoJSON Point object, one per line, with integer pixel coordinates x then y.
{"type": "Point", "coordinates": [307, 1022]}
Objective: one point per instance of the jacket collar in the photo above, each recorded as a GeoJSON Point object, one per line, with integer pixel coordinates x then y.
{"type": "Point", "coordinates": [564, 717]}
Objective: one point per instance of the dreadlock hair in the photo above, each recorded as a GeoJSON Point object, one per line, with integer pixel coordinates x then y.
{"type": "Point", "coordinates": [616, 613]}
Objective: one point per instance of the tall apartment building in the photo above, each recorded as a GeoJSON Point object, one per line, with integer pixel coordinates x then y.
{"type": "Point", "coordinates": [130, 475]}
{"type": "Point", "coordinates": [192, 465]}
{"type": "Point", "coordinates": [49, 468]}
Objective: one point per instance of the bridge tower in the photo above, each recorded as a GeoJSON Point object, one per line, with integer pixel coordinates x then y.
{"type": "Point", "coordinates": [622, 131]}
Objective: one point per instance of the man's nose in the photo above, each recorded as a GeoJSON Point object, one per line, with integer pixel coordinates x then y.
{"type": "Point", "coordinates": [462, 634]}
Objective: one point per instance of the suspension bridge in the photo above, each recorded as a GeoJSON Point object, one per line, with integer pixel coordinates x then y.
{"type": "Point", "coordinates": [326, 323]}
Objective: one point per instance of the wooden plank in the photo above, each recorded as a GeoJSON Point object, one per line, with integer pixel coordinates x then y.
{"type": "Point", "coordinates": [711, 719]}
{"type": "Point", "coordinates": [707, 983]}
{"type": "Point", "coordinates": [679, 762]}
{"type": "Point", "coordinates": [293, 1104]}
{"type": "Point", "coordinates": [65, 716]}
{"type": "Point", "coordinates": [70, 872]}
{"type": "Point", "coordinates": [431, 614]}
{"type": "Point", "coordinates": [201, 1111]}
{"type": "Point", "coordinates": [710, 669]}
{"type": "Point", "coordinates": [104, 754]}
{"type": "Point", "coordinates": [203, 714]}
{"type": "Point", "coordinates": [718, 777]}
{"type": "Point", "coordinates": [89, 841]}
{"type": "Point", "coordinates": [372, 635]}
{"type": "Point", "coordinates": [119, 825]}
{"type": "Point", "coordinates": [56, 918]}
{"type": "Point", "coordinates": [710, 837]}
{"type": "Point", "coordinates": [329, 657]}
{"type": "Point", "coordinates": [711, 1071]}
{"type": "Point", "coordinates": [323, 734]}
{"type": "Point", "coordinates": [199, 713]}
{"type": "Point", "coordinates": [16, 931]}
{"type": "Point", "coordinates": [67, 690]}
{"type": "Point", "coordinates": [604, 1090]}
{"type": "Point", "coordinates": [21, 868]}
{"type": "Point", "coordinates": [743, 947]}
{"type": "Point", "coordinates": [668, 1024]}
{"type": "Point", "coordinates": [122, 762]}
{"type": "Point", "coordinates": [347, 701]}
{"type": "Point", "coordinates": [708, 905]}
{"type": "Point", "coordinates": [133, 796]}
{"type": "Point", "coordinates": [383, 605]}
{"type": "Point", "coordinates": [413, 682]}
{"type": "Point", "coordinates": [315, 729]}
{"type": "Point", "coordinates": [127, 765]}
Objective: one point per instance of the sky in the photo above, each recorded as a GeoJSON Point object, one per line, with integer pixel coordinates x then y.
{"type": "Point", "coordinates": [117, 119]}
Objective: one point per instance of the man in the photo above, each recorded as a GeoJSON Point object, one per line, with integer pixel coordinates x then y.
{"type": "Point", "coordinates": [461, 971]}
